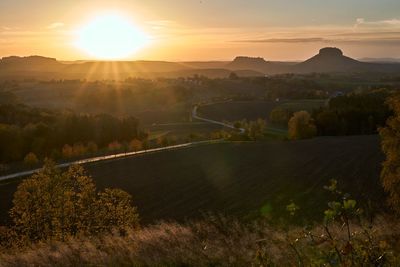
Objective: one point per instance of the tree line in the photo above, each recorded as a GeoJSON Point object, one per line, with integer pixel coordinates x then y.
{"type": "Point", "coordinates": [352, 114]}
{"type": "Point", "coordinates": [45, 133]}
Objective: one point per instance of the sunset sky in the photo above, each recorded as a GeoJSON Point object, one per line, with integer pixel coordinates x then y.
{"type": "Point", "coordinates": [206, 29]}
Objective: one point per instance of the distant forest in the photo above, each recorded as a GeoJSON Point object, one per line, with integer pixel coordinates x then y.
{"type": "Point", "coordinates": [48, 133]}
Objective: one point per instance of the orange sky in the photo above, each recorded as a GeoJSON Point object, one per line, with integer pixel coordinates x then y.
{"type": "Point", "coordinates": [208, 30]}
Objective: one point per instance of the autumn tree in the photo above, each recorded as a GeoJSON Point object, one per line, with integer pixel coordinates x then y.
{"type": "Point", "coordinates": [114, 146]}
{"type": "Point", "coordinates": [78, 150]}
{"type": "Point", "coordinates": [163, 141]}
{"type": "Point", "coordinates": [54, 205]}
{"type": "Point", "coordinates": [67, 151]}
{"type": "Point", "coordinates": [301, 126]}
{"type": "Point", "coordinates": [135, 145]}
{"type": "Point", "coordinates": [390, 174]}
{"type": "Point", "coordinates": [31, 159]}
{"type": "Point", "coordinates": [115, 208]}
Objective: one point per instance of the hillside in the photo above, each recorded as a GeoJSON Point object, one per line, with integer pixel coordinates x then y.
{"type": "Point", "coordinates": [243, 179]}
{"type": "Point", "coordinates": [329, 60]}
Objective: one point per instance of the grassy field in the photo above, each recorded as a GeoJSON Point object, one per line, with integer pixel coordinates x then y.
{"type": "Point", "coordinates": [242, 179]}
{"type": "Point", "coordinates": [183, 130]}
{"type": "Point", "coordinates": [303, 104]}
{"type": "Point", "coordinates": [237, 110]}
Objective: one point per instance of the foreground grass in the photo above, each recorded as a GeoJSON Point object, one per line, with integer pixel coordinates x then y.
{"type": "Point", "coordinates": [218, 241]}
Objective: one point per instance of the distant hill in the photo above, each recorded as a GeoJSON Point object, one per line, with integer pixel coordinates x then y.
{"type": "Point", "coordinates": [31, 63]}
{"type": "Point", "coordinates": [331, 59]}
{"type": "Point", "coordinates": [328, 59]}
{"type": "Point", "coordinates": [259, 64]}
{"type": "Point", "coordinates": [49, 68]}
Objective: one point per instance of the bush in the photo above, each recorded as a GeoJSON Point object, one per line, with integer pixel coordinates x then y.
{"type": "Point", "coordinates": [54, 205]}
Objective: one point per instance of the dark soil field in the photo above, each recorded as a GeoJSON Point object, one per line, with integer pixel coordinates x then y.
{"type": "Point", "coordinates": [242, 179]}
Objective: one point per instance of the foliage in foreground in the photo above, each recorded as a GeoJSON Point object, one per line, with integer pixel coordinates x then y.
{"type": "Point", "coordinates": [57, 205]}
{"type": "Point", "coordinates": [343, 239]}
{"type": "Point", "coordinates": [391, 147]}
{"type": "Point", "coordinates": [221, 242]}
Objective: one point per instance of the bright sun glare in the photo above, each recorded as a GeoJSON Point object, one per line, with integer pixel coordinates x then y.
{"type": "Point", "coordinates": [110, 37]}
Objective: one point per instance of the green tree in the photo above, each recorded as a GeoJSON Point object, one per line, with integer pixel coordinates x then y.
{"type": "Point", "coordinates": [301, 126]}
{"type": "Point", "coordinates": [237, 124]}
{"type": "Point", "coordinates": [256, 129]}
{"type": "Point", "coordinates": [279, 116]}
{"type": "Point", "coordinates": [390, 174]}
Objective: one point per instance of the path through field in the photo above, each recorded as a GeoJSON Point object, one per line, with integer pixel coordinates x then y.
{"type": "Point", "coordinates": [197, 117]}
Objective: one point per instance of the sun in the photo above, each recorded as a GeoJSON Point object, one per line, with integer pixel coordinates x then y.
{"type": "Point", "coordinates": [110, 37]}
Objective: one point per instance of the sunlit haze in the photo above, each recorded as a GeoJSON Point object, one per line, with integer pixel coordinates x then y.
{"type": "Point", "coordinates": [110, 36]}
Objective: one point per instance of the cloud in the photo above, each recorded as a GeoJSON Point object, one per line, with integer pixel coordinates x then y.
{"type": "Point", "coordinates": [387, 23]}
{"type": "Point", "coordinates": [55, 25]}
{"type": "Point", "coordinates": [395, 22]}
{"type": "Point", "coordinates": [282, 40]}
{"type": "Point", "coordinates": [342, 38]}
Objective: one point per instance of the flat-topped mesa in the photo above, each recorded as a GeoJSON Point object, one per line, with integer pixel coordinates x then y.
{"type": "Point", "coordinates": [244, 59]}
{"type": "Point", "coordinates": [331, 52]}
{"type": "Point", "coordinates": [37, 59]}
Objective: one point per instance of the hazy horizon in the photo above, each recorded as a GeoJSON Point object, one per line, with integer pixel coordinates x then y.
{"type": "Point", "coordinates": [201, 60]}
